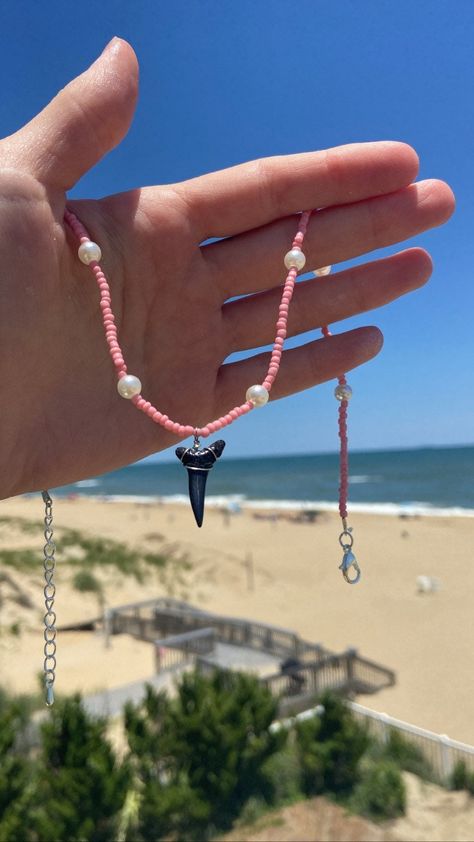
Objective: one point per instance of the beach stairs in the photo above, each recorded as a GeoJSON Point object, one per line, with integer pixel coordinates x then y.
{"type": "Point", "coordinates": [294, 670]}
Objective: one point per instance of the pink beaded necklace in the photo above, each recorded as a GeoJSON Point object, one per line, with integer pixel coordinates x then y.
{"type": "Point", "coordinates": [196, 459]}
{"type": "Point", "coordinates": [129, 386]}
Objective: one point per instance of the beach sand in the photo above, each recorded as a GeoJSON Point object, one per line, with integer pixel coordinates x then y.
{"type": "Point", "coordinates": [280, 572]}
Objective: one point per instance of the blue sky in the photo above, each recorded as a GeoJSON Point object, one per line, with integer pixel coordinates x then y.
{"type": "Point", "coordinates": [225, 82]}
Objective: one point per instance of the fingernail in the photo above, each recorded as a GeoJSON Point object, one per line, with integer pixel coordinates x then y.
{"type": "Point", "coordinates": [113, 44]}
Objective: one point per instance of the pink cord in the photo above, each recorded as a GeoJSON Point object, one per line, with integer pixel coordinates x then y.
{"type": "Point", "coordinates": [343, 449]}
{"type": "Point", "coordinates": [343, 455]}
{"type": "Point", "coordinates": [183, 430]}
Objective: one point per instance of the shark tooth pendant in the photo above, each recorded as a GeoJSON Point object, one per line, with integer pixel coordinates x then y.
{"type": "Point", "coordinates": [198, 461]}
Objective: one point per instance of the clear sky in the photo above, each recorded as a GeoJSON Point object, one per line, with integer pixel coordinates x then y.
{"type": "Point", "coordinates": [224, 82]}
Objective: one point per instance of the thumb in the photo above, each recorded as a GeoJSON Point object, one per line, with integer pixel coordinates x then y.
{"type": "Point", "coordinates": [87, 119]}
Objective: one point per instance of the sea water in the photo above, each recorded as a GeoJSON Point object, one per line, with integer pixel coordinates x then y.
{"type": "Point", "coordinates": [431, 480]}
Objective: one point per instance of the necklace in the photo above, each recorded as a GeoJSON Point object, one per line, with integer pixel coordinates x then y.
{"type": "Point", "coordinates": [197, 459]}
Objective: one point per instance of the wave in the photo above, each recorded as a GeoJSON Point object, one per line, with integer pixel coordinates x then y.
{"type": "Point", "coordinates": [87, 483]}
{"type": "Point", "coordinates": [233, 502]}
{"type": "Point", "coordinates": [359, 479]}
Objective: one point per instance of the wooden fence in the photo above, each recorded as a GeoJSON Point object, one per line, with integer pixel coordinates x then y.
{"type": "Point", "coordinates": [440, 751]}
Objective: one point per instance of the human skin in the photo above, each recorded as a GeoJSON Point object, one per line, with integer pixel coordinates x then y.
{"type": "Point", "coordinates": [62, 418]}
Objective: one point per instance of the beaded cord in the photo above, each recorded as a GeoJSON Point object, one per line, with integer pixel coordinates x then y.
{"type": "Point", "coordinates": [129, 386]}
{"type": "Point", "coordinates": [343, 456]}
{"type": "Point", "coordinates": [295, 256]}
{"type": "Point", "coordinates": [342, 389]}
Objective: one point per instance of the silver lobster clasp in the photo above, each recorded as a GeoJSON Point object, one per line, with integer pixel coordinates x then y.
{"type": "Point", "coordinates": [349, 560]}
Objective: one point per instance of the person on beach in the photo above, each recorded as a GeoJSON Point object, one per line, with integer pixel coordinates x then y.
{"type": "Point", "coordinates": [181, 308]}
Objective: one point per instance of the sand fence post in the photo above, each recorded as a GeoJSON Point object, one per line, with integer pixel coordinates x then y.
{"type": "Point", "coordinates": [446, 757]}
{"type": "Point", "coordinates": [107, 621]}
{"type": "Point", "coordinates": [384, 720]}
{"type": "Point", "coordinates": [351, 655]}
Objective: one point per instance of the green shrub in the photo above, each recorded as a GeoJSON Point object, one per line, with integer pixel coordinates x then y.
{"type": "Point", "coordinates": [283, 773]}
{"type": "Point", "coordinates": [155, 559]}
{"type": "Point", "coordinates": [405, 755]}
{"type": "Point", "coordinates": [330, 748]}
{"type": "Point", "coordinates": [462, 778]}
{"type": "Point", "coordinates": [252, 811]}
{"type": "Point", "coordinates": [80, 788]}
{"type": "Point", "coordinates": [380, 794]}
{"type": "Point", "coordinates": [85, 581]}
{"type": "Point", "coordinates": [459, 776]}
{"type": "Point", "coordinates": [200, 757]}
{"type": "Point", "coordinates": [24, 560]}
{"type": "Point", "coordinates": [103, 552]}
{"type": "Point", "coordinates": [15, 767]}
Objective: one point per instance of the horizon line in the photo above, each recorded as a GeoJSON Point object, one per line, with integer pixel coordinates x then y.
{"type": "Point", "coordinates": [147, 459]}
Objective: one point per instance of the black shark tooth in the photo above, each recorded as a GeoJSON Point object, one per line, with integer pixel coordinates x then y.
{"type": "Point", "coordinates": [198, 461]}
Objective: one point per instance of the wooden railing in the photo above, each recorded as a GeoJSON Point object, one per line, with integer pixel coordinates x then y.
{"type": "Point", "coordinates": [298, 687]}
{"type": "Point", "coordinates": [347, 673]}
{"type": "Point", "coordinates": [185, 632]}
{"type": "Point", "coordinates": [165, 618]}
{"type": "Point", "coordinates": [310, 679]}
{"type": "Point", "coordinates": [171, 652]}
{"type": "Point", "coordinates": [367, 674]}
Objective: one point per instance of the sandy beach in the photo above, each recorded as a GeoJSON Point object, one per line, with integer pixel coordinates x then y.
{"type": "Point", "coordinates": [277, 571]}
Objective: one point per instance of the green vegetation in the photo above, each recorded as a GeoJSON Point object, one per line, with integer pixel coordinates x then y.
{"type": "Point", "coordinates": [404, 754]}
{"type": "Point", "coordinates": [85, 581]}
{"type": "Point", "coordinates": [83, 787]}
{"type": "Point", "coordinates": [380, 793]}
{"type": "Point", "coordinates": [462, 778]}
{"type": "Point", "coordinates": [14, 629]}
{"type": "Point", "coordinates": [72, 789]}
{"type": "Point", "coordinates": [14, 767]}
{"type": "Point", "coordinates": [200, 757]}
{"type": "Point", "coordinates": [24, 560]}
{"type": "Point", "coordinates": [195, 765]}
{"type": "Point", "coordinates": [284, 774]}
{"type": "Point", "coordinates": [330, 748]}
{"type": "Point", "coordinates": [22, 524]}
{"type": "Point", "coordinates": [83, 552]}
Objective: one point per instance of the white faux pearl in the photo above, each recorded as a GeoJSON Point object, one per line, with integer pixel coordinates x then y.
{"type": "Point", "coordinates": [324, 270]}
{"type": "Point", "coordinates": [343, 392]}
{"type": "Point", "coordinates": [88, 252]}
{"type": "Point", "coordinates": [295, 259]}
{"type": "Point", "coordinates": [128, 386]}
{"type": "Point", "coordinates": [258, 395]}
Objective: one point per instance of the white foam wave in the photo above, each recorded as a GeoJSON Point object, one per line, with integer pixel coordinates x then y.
{"type": "Point", "coordinates": [408, 509]}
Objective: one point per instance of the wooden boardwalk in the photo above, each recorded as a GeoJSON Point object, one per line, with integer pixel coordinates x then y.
{"type": "Point", "coordinates": [295, 671]}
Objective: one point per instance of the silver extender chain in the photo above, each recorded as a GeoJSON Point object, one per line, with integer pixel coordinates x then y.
{"type": "Point", "coordinates": [49, 594]}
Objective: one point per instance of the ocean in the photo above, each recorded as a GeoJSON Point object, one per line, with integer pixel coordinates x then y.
{"type": "Point", "coordinates": [429, 480]}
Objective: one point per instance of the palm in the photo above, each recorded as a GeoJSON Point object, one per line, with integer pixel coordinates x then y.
{"type": "Point", "coordinates": [74, 421]}
{"type": "Point", "coordinates": [170, 316]}
{"type": "Point", "coordinates": [177, 313]}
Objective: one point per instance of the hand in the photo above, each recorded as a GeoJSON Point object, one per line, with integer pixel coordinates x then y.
{"type": "Point", "coordinates": [62, 418]}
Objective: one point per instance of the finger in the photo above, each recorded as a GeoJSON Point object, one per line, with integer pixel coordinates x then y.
{"type": "Point", "coordinates": [82, 123]}
{"type": "Point", "coordinates": [301, 367]}
{"type": "Point", "coordinates": [247, 196]}
{"type": "Point", "coordinates": [250, 321]}
{"type": "Point", "coordinates": [254, 261]}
